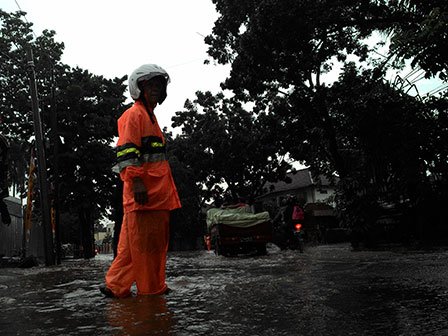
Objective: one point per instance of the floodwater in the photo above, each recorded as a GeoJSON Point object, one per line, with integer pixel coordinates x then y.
{"type": "Point", "coordinates": [328, 290]}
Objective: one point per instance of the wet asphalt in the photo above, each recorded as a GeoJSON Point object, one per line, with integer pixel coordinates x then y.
{"type": "Point", "coordinates": [328, 290]}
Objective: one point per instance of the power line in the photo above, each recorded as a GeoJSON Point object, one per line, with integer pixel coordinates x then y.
{"type": "Point", "coordinates": [418, 78]}
{"type": "Point", "coordinates": [437, 90]}
{"type": "Point", "coordinates": [44, 50]}
{"type": "Point", "coordinates": [411, 73]}
{"type": "Point", "coordinates": [18, 5]}
{"type": "Point", "coordinates": [24, 16]}
{"type": "Point", "coordinates": [190, 61]}
{"type": "Point", "coordinates": [184, 63]}
{"type": "Point", "coordinates": [10, 58]}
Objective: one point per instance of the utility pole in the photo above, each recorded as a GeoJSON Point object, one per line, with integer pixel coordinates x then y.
{"type": "Point", "coordinates": [41, 164]}
{"type": "Point", "coordinates": [56, 185]}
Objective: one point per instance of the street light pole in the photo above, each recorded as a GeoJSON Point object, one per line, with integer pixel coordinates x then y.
{"type": "Point", "coordinates": [55, 139]}
{"type": "Point", "coordinates": [41, 164]}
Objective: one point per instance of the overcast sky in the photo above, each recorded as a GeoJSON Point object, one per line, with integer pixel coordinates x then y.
{"type": "Point", "coordinates": [113, 37]}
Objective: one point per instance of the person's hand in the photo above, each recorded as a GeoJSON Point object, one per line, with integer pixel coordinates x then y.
{"type": "Point", "coordinates": [140, 194]}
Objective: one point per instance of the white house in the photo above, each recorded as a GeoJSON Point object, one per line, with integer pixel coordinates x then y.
{"type": "Point", "coordinates": [303, 186]}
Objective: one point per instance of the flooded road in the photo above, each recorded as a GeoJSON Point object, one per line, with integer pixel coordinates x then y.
{"type": "Point", "coordinates": [328, 290]}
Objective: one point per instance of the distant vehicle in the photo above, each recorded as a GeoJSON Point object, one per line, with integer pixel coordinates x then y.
{"type": "Point", "coordinates": [298, 238]}
{"type": "Point", "coordinates": [237, 230]}
{"type": "Point", "coordinates": [67, 251]}
{"type": "Point", "coordinates": [288, 235]}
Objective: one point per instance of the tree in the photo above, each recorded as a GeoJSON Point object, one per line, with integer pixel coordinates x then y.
{"type": "Point", "coordinates": [228, 149]}
{"type": "Point", "coordinates": [314, 34]}
{"type": "Point", "coordinates": [79, 112]}
{"type": "Point", "coordinates": [15, 104]}
{"type": "Point", "coordinates": [423, 36]}
{"type": "Point", "coordinates": [381, 133]}
{"type": "Point", "coordinates": [186, 224]}
{"type": "Point", "coordinates": [360, 128]}
{"type": "Point", "coordinates": [87, 109]}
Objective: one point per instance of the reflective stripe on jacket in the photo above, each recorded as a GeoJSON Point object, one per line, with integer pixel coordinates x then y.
{"type": "Point", "coordinates": [151, 150]}
{"type": "Point", "coordinates": [141, 153]}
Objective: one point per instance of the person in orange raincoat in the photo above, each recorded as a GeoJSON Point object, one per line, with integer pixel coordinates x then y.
{"type": "Point", "coordinates": [149, 193]}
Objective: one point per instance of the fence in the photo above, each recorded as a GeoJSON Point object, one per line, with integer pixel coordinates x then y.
{"type": "Point", "coordinates": [12, 240]}
{"type": "Point", "coordinates": [11, 237]}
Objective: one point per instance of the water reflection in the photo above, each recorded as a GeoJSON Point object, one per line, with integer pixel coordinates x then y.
{"type": "Point", "coordinates": [140, 315]}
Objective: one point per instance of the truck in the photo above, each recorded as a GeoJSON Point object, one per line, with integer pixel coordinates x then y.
{"type": "Point", "coordinates": [238, 230]}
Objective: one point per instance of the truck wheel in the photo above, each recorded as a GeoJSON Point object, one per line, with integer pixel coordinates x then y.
{"type": "Point", "coordinates": [220, 250]}
{"type": "Point", "coordinates": [261, 249]}
{"type": "Point", "coordinates": [301, 245]}
{"type": "Point", "coordinates": [217, 249]}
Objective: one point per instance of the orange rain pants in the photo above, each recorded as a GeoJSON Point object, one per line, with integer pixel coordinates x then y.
{"type": "Point", "coordinates": [141, 254]}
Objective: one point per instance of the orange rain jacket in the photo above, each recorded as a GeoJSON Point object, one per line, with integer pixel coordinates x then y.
{"type": "Point", "coordinates": [141, 152]}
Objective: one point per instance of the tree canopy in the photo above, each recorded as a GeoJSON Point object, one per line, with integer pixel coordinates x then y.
{"type": "Point", "coordinates": [79, 112]}
{"type": "Point", "coordinates": [360, 127]}
{"type": "Point", "coordinates": [228, 148]}
{"type": "Point", "coordinates": [423, 37]}
{"type": "Point", "coordinates": [386, 146]}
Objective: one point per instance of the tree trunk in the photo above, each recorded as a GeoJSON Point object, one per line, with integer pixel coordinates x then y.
{"type": "Point", "coordinates": [87, 237]}
{"type": "Point", "coordinates": [330, 135]}
{"type": "Point", "coordinates": [119, 213]}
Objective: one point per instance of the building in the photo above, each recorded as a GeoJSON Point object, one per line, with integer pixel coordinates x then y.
{"type": "Point", "coordinates": [103, 238]}
{"type": "Point", "coordinates": [320, 224]}
{"type": "Point", "coordinates": [303, 186]}
{"type": "Point", "coordinates": [107, 231]}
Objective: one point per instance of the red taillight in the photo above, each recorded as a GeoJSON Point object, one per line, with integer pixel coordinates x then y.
{"type": "Point", "coordinates": [298, 227]}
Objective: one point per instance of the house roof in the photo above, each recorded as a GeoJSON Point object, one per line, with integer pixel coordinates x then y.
{"type": "Point", "coordinates": [14, 205]}
{"type": "Point", "coordinates": [299, 180]}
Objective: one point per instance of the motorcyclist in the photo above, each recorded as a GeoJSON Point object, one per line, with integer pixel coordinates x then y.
{"type": "Point", "coordinates": [289, 223]}
{"type": "Point", "coordinates": [280, 225]}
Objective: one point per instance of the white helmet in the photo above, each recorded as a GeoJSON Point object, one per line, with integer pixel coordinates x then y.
{"type": "Point", "coordinates": [143, 73]}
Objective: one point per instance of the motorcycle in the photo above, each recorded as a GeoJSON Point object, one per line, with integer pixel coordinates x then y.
{"type": "Point", "coordinates": [289, 237]}
{"type": "Point", "coordinates": [298, 238]}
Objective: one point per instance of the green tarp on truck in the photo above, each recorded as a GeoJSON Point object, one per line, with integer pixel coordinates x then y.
{"type": "Point", "coordinates": [240, 217]}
